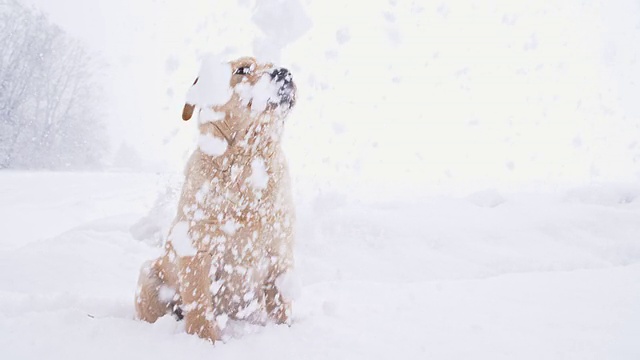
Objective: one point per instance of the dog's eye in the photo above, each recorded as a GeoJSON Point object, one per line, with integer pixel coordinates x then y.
{"type": "Point", "coordinates": [245, 70]}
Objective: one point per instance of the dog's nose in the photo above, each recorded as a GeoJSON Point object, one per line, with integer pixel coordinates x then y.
{"type": "Point", "coordinates": [281, 74]}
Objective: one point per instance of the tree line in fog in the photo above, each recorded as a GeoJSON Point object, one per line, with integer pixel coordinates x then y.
{"type": "Point", "coordinates": [49, 96]}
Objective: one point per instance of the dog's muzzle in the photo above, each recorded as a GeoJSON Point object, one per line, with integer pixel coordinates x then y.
{"type": "Point", "coordinates": [287, 90]}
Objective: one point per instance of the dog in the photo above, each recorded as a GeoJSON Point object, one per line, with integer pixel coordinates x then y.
{"type": "Point", "coordinates": [230, 248]}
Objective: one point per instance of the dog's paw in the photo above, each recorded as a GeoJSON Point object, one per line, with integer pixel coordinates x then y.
{"type": "Point", "coordinates": [205, 330]}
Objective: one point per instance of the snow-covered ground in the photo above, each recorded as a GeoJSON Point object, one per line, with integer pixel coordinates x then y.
{"type": "Point", "coordinates": [491, 275]}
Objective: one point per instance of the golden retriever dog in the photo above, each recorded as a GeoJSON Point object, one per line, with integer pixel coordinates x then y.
{"type": "Point", "coordinates": [229, 251]}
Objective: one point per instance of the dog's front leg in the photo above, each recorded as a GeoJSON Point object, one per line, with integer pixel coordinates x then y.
{"type": "Point", "coordinates": [278, 308]}
{"type": "Point", "coordinates": [196, 296]}
{"type": "Point", "coordinates": [279, 283]}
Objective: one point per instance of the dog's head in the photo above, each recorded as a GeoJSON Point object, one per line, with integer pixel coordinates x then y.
{"type": "Point", "coordinates": [256, 89]}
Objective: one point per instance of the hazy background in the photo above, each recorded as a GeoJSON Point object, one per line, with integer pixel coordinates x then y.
{"type": "Point", "coordinates": [408, 95]}
{"type": "Point", "coordinates": [464, 174]}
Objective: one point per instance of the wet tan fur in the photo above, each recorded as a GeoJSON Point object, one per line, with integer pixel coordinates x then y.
{"type": "Point", "coordinates": [217, 190]}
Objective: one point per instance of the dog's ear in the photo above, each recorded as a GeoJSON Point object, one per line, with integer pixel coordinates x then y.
{"type": "Point", "coordinates": [187, 110]}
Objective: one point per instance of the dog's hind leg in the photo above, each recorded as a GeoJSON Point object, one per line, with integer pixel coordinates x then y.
{"type": "Point", "coordinates": [153, 296]}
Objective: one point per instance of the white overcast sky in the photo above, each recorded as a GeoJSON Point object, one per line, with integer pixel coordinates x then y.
{"type": "Point", "coordinates": [437, 92]}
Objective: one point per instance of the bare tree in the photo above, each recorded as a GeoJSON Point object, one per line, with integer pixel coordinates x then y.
{"type": "Point", "coordinates": [48, 95]}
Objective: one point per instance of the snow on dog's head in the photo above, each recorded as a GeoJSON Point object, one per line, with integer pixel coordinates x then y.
{"type": "Point", "coordinates": [211, 88]}
{"type": "Point", "coordinates": [242, 85]}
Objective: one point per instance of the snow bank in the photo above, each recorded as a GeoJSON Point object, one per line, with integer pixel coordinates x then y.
{"type": "Point", "coordinates": [541, 276]}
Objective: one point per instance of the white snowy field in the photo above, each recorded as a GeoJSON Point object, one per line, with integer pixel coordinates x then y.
{"type": "Point", "coordinates": [552, 275]}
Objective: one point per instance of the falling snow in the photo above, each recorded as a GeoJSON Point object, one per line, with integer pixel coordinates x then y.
{"type": "Point", "coordinates": [180, 239]}
{"type": "Point", "coordinates": [259, 177]}
{"type": "Point", "coordinates": [466, 184]}
{"type": "Point", "coordinates": [212, 87]}
{"type": "Point", "coordinates": [212, 145]}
